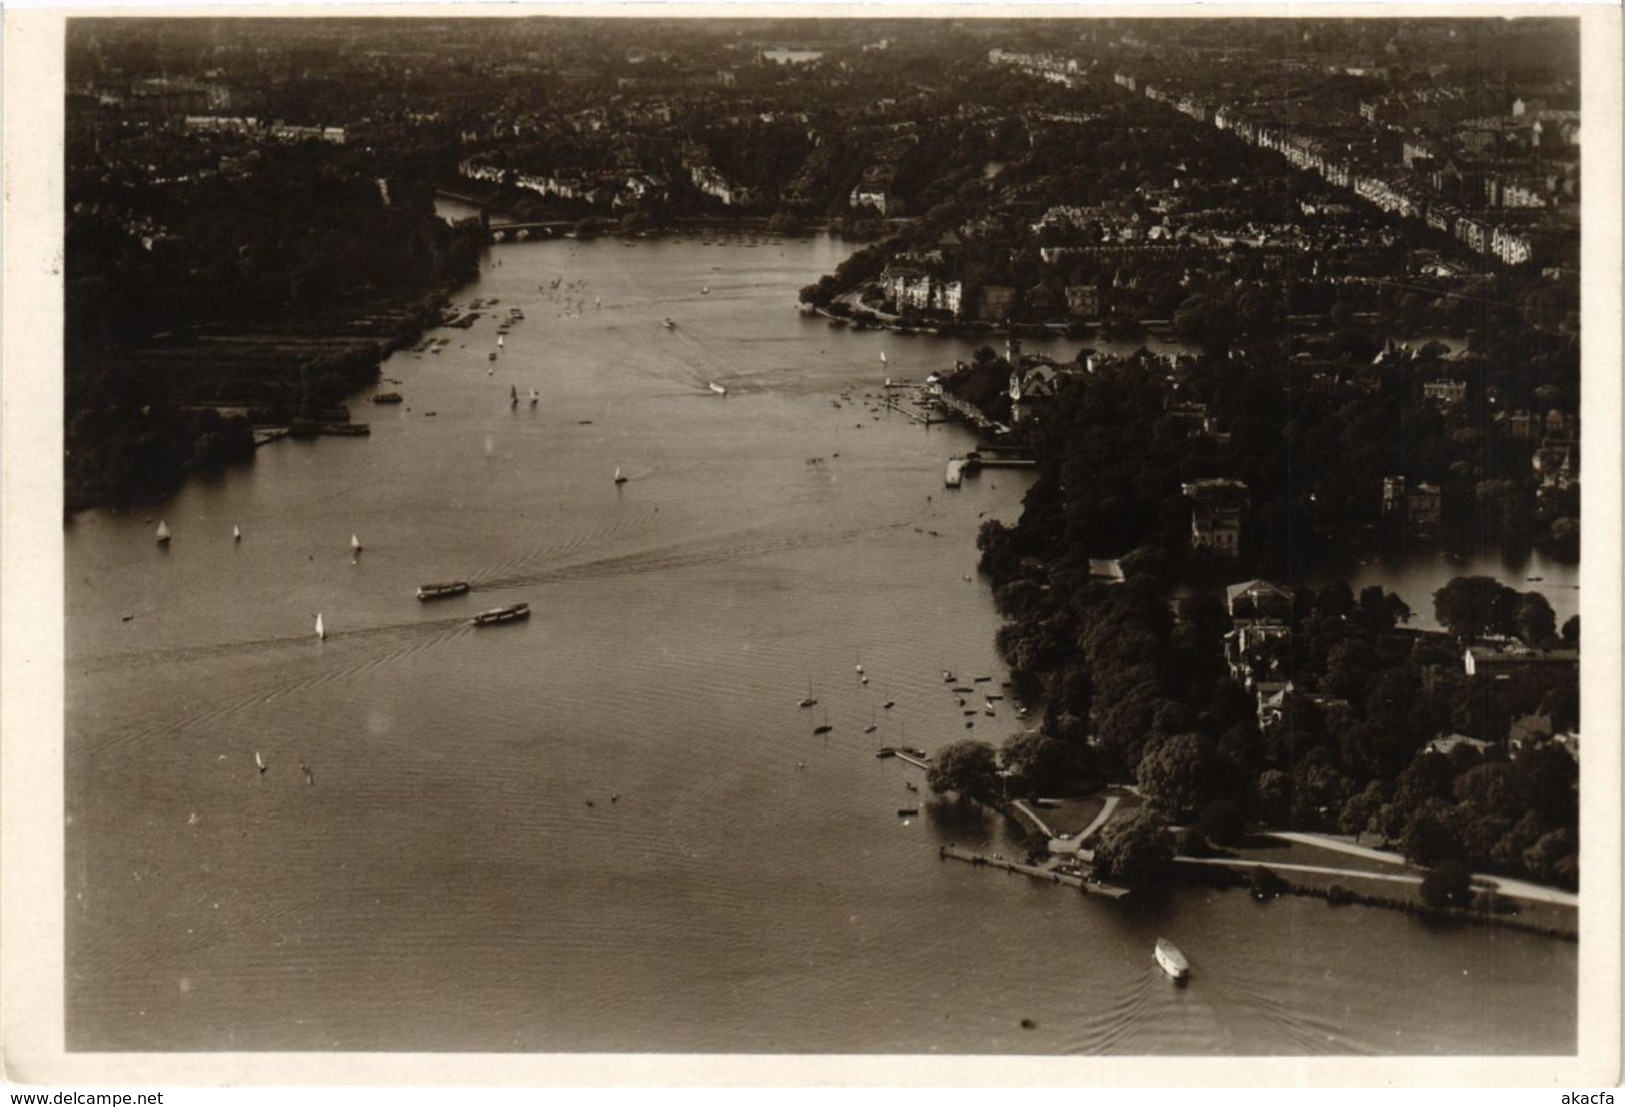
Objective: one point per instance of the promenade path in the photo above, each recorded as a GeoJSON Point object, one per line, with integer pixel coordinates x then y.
{"type": "Point", "coordinates": [1043, 828]}
{"type": "Point", "coordinates": [1100, 819]}
{"type": "Point", "coordinates": [1522, 889]}
{"type": "Point", "coordinates": [1275, 866]}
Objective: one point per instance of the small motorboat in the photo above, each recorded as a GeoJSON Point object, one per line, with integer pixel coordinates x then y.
{"type": "Point", "coordinates": [1172, 961]}
{"type": "Point", "coordinates": [907, 812]}
{"type": "Point", "coordinates": [720, 390]}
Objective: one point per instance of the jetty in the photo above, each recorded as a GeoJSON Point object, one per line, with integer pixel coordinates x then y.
{"type": "Point", "coordinates": [917, 762]}
{"type": "Point", "coordinates": [918, 414]}
{"type": "Point", "coordinates": [1051, 874]}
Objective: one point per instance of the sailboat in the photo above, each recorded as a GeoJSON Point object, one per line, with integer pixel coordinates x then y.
{"type": "Point", "coordinates": [260, 761]}
{"type": "Point", "coordinates": [513, 396]}
{"type": "Point", "coordinates": [873, 726]}
{"type": "Point", "coordinates": [823, 727]}
{"type": "Point", "coordinates": [355, 544]}
{"type": "Point", "coordinates": [809, 701]}
{"type": "Point", "coordinates": [499, 340]}
{"type": "Point", "coordinates": [883, 360]}
{"type": "Point", "coordinates": [236, 534]}
{"type": "Point", "coordinates": [163, 533]}
{"type": "Point", "coordinates": [705, 290]}
{"type": "Point", "coordinates": [321, 631]}
{"type": "Point", "coordinates": [859, 665]}
{"type": "Point", "coordinates": [534, 396]}
{"type": "Point", "coordinates": [620, 477]}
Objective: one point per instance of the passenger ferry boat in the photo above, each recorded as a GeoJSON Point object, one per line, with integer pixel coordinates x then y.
{"type": "Point", "coordinates": [440, 591]}
{"type": "Point", "coordinates": [502, 614]}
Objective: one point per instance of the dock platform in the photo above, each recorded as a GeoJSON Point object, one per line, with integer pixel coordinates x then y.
{"type": "Point", "coordinates": [917, 414]}
{"type": "Point", "coordinates": [1087, 885]}
{"type": "Point", "coordinates": [918, 763]}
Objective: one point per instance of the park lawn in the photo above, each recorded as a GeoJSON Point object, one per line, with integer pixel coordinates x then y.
{"type": "Point", "coordinates": [1072, 814]}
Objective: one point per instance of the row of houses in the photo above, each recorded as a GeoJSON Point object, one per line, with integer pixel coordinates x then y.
{"type": "Point", "coordinates": [710, 181]}
{"type": "Point", "coordinates": [250, 127]}
{"type": "Point", "coordinates": [1519, 237]}
{"type": "Point", "coordinates": [615, 189]}
{"type": "Point", "coordinates": [912, 286]}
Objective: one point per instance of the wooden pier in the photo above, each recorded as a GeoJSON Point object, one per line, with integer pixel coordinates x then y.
{"type": "Point", "coordinates": [1088, 885]}
{"type": "Point", "coordinates": [918, 763]}
{"type": "Point", "coordinates": [916, 414]}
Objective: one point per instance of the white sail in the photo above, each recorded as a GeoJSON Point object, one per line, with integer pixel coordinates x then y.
{"type": "Point", "coordinates": [883, 357]}
{"type": "Point", "coordinates": [355, 543]}
{"type": "Point", "coordinates": [499, 340]}
{"type": "Point", "coordinates": [259, 761]}
{"type": "Point", "coordinates": [163, 531]}
{"type": "Point", "coordinates": [321, 631]}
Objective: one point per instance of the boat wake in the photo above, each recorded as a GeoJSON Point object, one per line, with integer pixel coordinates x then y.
{"type": "Point", "coordinates": [400, 641]}
{"type": "Point", "coordinates": [182, 655]}
{"type": "Point", "coordinates": [722, 549]}
{"type": "Point", "coordinates": [517, 565]}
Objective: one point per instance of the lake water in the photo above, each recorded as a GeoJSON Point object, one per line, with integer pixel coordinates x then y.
{"type": "Point", "coordinates": [1416, 574]}
{"type": "Point", "coordinates": [460, 875]}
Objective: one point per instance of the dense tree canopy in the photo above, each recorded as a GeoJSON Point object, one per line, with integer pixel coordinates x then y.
{"type": "Point", "coordinates": [968, 768]}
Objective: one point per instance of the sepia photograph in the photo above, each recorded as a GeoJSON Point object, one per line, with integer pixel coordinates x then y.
{"type": "Point", "coordinates": [820, 534]}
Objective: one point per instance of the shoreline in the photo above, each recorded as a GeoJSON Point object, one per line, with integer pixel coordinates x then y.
{"type": "Point", "coordinates": [417, 314]}
{"type": "Point", "coordinates": [1491, 905]}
